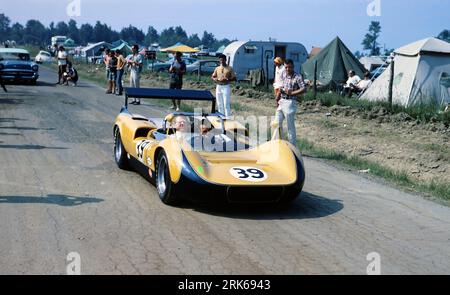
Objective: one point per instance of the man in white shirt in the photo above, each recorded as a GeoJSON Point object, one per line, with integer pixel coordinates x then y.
{"type": "Point", "coordinates": [350, 85]}
{"type": "Point", "coordinates": [62, 63]}
{"type": "Point", "coordinates": [364, 84]}
{"type": "Point", "coordinates": [278, 81]}
{"type": "Point", "coordinates": [135, 62]}
{"type": "Point", "coordinates": [293, 86]}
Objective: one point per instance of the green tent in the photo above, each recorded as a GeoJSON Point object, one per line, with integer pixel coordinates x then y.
{"type": "Point", "coordinates": [118, 43]}
{"type": "Point", "coordinates": [124, 47]}
{"type": "Point", "coordinates": [69, 43]}
{"type": "Point", "coordinates": [333, 64]}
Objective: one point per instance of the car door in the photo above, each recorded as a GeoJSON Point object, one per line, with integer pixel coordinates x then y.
{"type": "Point", "coordinates": [209, 67]}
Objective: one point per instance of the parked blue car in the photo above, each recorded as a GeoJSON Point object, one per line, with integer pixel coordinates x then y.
{"type": "Point", "coordinates": [163, 66]}
{"type": "Point", "coordinates": [17, 66]}
{"type": "Point", "coordinates": [205, 66]}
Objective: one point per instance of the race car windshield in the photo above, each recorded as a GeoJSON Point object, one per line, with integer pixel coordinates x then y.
{"type": "Point", "coordinates": [216, 141]}
{"type": "Point", "coordinates": [201, 136]}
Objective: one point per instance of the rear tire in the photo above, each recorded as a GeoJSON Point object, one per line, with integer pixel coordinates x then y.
{"type": "Point", "coordinates": [164, 184]}
{"type": "Point", "coordinates": [120, 154]}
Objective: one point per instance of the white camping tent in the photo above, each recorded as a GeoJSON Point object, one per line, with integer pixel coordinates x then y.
{"type": "Point", "coordinates": [421, 75]}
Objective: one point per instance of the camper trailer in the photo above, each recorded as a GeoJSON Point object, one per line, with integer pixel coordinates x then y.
{"type": "Point", "coordinates": [58, 40]}
{"type": "Point", "coordinates": [94, 52]}
{"type": "Point", "coordinates": [244, 56]}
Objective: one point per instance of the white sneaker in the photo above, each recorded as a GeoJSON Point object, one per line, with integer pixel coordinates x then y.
{"type": "Point", "coordinates": [177, 110]}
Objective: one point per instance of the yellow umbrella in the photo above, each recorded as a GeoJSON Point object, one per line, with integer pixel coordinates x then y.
{"type": "Point", "coordinates": [180, 48]}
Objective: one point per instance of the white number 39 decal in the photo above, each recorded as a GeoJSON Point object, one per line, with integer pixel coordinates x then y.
{"type": "Point", "coordinates": [248, 174]}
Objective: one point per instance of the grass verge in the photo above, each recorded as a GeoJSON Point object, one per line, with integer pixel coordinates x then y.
{"type": "Point", "coordinates": [423, 114]}
{"type": "Point", "coordinates": [432, 188]}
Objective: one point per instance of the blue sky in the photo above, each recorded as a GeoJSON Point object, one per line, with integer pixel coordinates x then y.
{"type": "Point", "coordinates": [311, 22]}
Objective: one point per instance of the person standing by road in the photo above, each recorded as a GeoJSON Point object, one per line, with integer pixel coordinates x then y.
{"type": "Point", "coordinates": [223, 75]}
{"type": "Point", "coordinates": [135, 66]}
{"type": "Point", "coordinates": [112, 70]}
{"type": "Point", "coordinates": [279, 73]}
{"type": "Point", "coordinates": [55, 50]}
{"type": "Point", "coordinates": [106, 61]}
{"type": "Point", "coordinates": [62, 63]}
{"type": "Point", "coordinates": [177, 70]}
{"type": "Point", "coordinates": [121, 62]}
{"type": "Point", "coordinates": [292, 86]}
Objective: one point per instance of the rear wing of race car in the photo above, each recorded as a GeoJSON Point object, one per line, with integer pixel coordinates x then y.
{"type": "Point", "coordinates": [161, 93]}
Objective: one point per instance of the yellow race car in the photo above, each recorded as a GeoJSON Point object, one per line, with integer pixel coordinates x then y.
{"type": "Point", "coordinates": [205, 155]}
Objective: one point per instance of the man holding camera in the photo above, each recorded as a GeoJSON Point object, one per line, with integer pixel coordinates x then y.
{"type": "Point", "coordinates": [292, 86]}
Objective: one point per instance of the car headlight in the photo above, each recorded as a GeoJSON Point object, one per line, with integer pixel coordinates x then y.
{"type": "Point", "coordinates": [35, 68]}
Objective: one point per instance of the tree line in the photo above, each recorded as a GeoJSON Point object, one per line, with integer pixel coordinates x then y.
{"type": "Point", "coordinates": [35, 33]}
{"type": "Point", "coordinates": [372, 46]}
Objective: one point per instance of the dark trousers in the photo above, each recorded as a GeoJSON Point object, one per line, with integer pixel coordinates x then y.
{"type": "Point", "coordinates": [119, 81]}
{"type": "Point", "coordinates": [176, 84]}
{"type": "Point", "coordinates": [348, 91]}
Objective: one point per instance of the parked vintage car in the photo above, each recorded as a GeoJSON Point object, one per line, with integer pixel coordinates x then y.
{"type": "Point", "coordinates": [158, 66]}
{"type": "Point", "coordinates": [16, 65]}
{"type": "Point", "coordinates": [204, 66]}
{"type": "Point", "coordinates": [42, 57]}
{"type": "Point", "coordinates": [163, 66]}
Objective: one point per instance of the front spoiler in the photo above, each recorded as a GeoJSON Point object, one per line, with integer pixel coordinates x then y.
{"type": "Point", "coordinates": [192, 186]}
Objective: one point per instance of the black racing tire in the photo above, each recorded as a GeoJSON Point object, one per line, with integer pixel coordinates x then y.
{"type": "Point", "coordinates": [291, 194]}
{"type": "Point", "coordinates": [120, 154]}
{"type": "Point", "coordinates": [164, 185]}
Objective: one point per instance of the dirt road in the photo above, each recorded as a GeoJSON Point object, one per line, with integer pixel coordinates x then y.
{"type": "Point", "coordinates": [61, 192]}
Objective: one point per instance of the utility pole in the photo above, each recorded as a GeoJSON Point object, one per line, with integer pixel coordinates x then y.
{"type": "Point", "coordinates": [315, 79]}
{"type": "Point", "coordinates": [391, 83]}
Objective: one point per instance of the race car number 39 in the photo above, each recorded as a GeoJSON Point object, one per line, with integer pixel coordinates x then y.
{"type": "Point", "coordinates": [248, 174]}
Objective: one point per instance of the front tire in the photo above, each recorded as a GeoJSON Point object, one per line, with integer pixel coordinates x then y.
{"type": "Point", "coordinates": [291, 195]}
{"type": "Point", "coordinates": [120, 154]}
{"type": "Point", "coordinates": [164, 184]}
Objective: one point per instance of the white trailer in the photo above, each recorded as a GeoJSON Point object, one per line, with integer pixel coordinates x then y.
{"type": "Point", "coordinates": [244, 56]}
{"type": "Point", "coordinates": [58, 40]}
